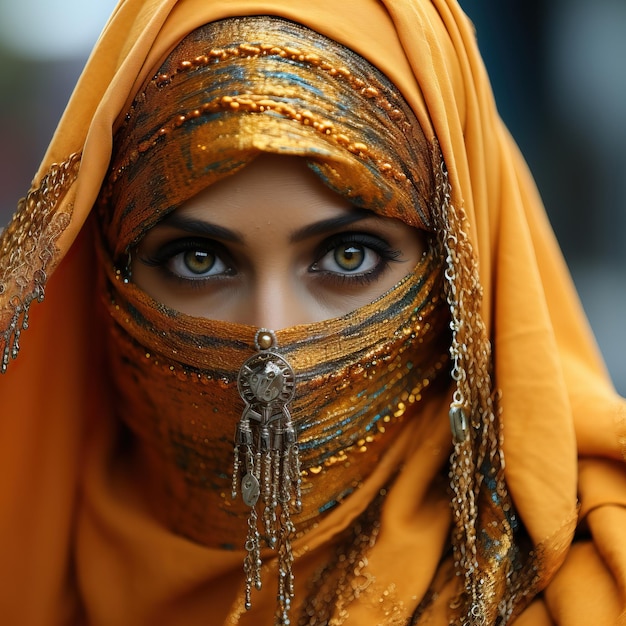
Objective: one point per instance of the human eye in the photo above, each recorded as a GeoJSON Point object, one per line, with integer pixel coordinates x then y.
{"type": "Point", "coordinates": [354, 256]}
{"type": "Point", "coordinates": [190, 259]}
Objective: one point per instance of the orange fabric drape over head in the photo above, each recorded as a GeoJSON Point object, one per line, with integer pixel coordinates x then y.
{"type": "Point", "coordinates": [77, 546]}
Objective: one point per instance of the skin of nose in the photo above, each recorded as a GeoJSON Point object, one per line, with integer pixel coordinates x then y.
{"type": "Point", "coordinates": [276, 302]}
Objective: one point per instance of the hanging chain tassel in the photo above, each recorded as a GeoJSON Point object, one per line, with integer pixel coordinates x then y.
{"type": "Point", "coordinates": [266, 469]}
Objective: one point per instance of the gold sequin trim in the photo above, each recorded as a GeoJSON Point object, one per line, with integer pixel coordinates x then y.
{"type": "Point", "coordinates": [246, 50]}
{"type": "Point", "coordinates": [28, 246]}
{"type": "Point", "coordinates": [262, 103]}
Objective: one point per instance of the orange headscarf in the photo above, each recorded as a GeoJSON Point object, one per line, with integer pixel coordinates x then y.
{"type": "Point", "coordinates": [77, 544]}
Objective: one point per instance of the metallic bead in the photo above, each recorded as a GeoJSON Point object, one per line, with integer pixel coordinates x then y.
{"type": "Point", "coordinates": [458, 424]}
{"type": "Point", "coordinates": [264, 339]}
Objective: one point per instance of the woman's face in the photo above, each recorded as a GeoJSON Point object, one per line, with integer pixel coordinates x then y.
{"type": "Point", "coordinates": [272, 246]}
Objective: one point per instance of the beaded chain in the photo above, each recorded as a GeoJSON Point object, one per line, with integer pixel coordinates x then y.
{"type": "Point", "coordinates": [480, 497]}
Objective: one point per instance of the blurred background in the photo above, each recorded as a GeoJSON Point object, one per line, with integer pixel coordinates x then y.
{"type": "Point", "coordinates": [559, 74]}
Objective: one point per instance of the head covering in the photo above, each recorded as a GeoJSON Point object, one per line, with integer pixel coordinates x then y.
{"type": "Point", "coordinates": [349, 381]}
{"type": "Point", "coordinates": [77, 543]}
{"type": "Point", "coordinates": [235, 88]}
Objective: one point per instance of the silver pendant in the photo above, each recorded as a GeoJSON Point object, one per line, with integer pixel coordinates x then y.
{"type": "Point", "coordinates": [267, 466]}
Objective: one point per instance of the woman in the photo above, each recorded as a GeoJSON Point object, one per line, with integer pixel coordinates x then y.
{"type": "Point", "coordinates": [117, 476]}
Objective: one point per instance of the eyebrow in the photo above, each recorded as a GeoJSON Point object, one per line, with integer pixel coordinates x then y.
{"type": "Point", "coordinates": [325, 226]}
{"type": "Point", "coordinates": [200, 227]}
{"type": "Point", "coordinates": [208, 229]}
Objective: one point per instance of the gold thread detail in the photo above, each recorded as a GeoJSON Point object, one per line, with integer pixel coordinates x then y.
{"type": "Point", "coordinates": [27, 246]}
{"type": "Point", "coordinates": [259, 103]}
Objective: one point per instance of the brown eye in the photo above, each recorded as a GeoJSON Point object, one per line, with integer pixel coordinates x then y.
{"type": "Point", "coordinates": [193, 259]}
{"type": "Point", "coordinates": [353, 256]}
{"type": "Point", "coordinates": [349, 257]}
{"type": "Point", "coordinates": [198, 261]}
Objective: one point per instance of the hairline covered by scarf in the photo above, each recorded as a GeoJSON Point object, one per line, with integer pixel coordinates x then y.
{"type": "Point", "coordinates": [236, 88]}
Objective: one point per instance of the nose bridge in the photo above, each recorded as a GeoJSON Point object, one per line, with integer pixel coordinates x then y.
{"type": "Point", "coordinates": [277, 302]}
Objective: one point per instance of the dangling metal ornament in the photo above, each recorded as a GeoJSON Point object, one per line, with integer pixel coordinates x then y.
{"type": "Point", "coordinates": [267, 465]}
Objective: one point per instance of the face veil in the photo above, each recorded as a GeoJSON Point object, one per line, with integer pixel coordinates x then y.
{"type": "Point", "coordinates": [563, 427]}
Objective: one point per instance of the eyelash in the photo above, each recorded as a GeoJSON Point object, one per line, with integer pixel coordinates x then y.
{"type": "Point", "coordinates": [386, 253]}
{"type": "Point", "coordinates": [170, 249]}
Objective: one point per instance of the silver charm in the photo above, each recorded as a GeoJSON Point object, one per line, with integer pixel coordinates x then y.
{"type": "Point", "coordinates": [267, 465]}
{"type": "Point", "coordinates": [250, 489]}
{"type": "Point", "coordinates": [458, 424]}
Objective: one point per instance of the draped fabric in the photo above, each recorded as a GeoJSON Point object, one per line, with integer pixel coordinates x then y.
{"type": "Point", "coordinates": [356, 377]}
{"type": "Point", "coordinates": [235, 88]}
{"type": "Point", "coordinates": [79, 544]}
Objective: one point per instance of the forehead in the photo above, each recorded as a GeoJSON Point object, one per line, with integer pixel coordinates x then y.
{"type": "Point", "coordinates": [273, 193]}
